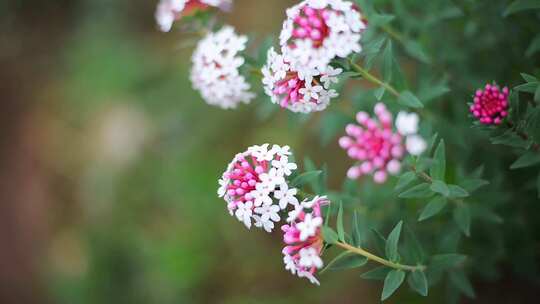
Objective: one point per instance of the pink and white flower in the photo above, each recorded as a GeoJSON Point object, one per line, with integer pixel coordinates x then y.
{"type": "Point", "coordinates": [215, 72]}
{"type": "Point", "coordinates": [317, 31]}
{"type": "Point", "coordinates": [303, 91]}
{"type": "Point", "coordinates": [490, 106]}
{"type": "Point", "coordinates": [303, 239]}
{"type": "Point", "coordinates": [255, 188]}
{"type": "Point", "coordinates": [169, 11]}
{"type": "Point", "coordinates": [375, 146]}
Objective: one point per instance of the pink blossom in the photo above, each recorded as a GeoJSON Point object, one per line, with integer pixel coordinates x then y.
{"type": "Point", "coordinates": [377, 149]}
{"type": "Point", "coordinates": [317, 31]}
{"type": "Point", "coordinates": [303, 239]}
{"type": "Point", "coordinates": [490, 106]}
{"type": "Point", "coordinates": [254, 182]}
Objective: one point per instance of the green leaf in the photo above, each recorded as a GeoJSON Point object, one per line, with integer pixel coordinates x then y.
{"type": "Point", "coordinates": [473, 184]}
{"type": "Point", "coordinates": [537, 94]}
{"type": "Point", "coordinates": [415, 50]}
{"type": "Point", "coordinates": [405, 179]}
{"type": "Point", "coordinates": [409, 99]}
{"type": "Point", "coordinates": [413, 248]}
{"type": "Point", "coordinates": [509, 138]}
{"type": "Point", "coordinates": [380, 19]}
{"type": "Point", "coordinates": [379, 93]}
{"type": "Point", "coordinates": [462, 217]}
{"type": "Point", "coordinates": [388, 60]}
{"type": "Point", "coordinates": [419, 191]}
{"type": "Point", "coordinates": [329, 235]}
{"type": "Point", "coordinates": [339, 224]}
{"type": "Point", "coordinates": [460, 280]}
{"type": "Point", "coordinates": [521, 5]}
{"type": "Point", "coordinates": [440, 187]}
{"type": "Point", "coordinates": [306, 178]}
{"type": "Point", "coordinates": [529, 87]}
{"type": "Point", "coordinates": [528, 78]}
{"type": "Point", "coordinates": [442, 262]}
{"type": "Point", "coordinates": [345, 260]}
{"type": "Point", "coordinates": [538, 185]}
{"type": "Point", "coordinates": [393, 280]}
{"type": "Point", "coordinates": [377, 273]}
{"type": "Point", "coordinates": [534, 47]}
{"type": "Point", "coordinates": [438, 170]}
{"type": "Point", "coordinates": [457, 192]}
{"type": "Point", "coordinates": [356, 234]}
{"type": "Point", "coordinates": [435, 206]}
{"type": "Point", "coordinates": [526, 160]}
{"type": "Point", "coordinates": [418, 282]}
{"type": "Point", "coordinates": [392, 242]}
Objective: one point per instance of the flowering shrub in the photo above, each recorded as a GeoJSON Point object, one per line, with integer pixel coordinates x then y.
{"type": "Point", "coordinates": [325, 48]}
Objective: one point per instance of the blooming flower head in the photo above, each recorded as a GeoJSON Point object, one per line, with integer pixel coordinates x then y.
{"type": "Point", "coordinates": [254, 185]}
{"type": "Point", "coordinates": [215, 69]}
{"type": "Point", "coordinates": [490, 106]}
{"type": "Point", "coordinates": [299, 91]}
{"type": "Point", "coordinates": [317, 31]}
{"type": "Point", "coordinates": [376, 147]}
{"type": "Point", "coordinates": [303, 239]}
{"type": "Point", "coordinates": [169, 11]}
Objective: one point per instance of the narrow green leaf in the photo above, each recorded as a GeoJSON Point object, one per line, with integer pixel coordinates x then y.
{"type": "Point", "coordinates": [392, 242]}
{"type": "Point", "coordinates": [356, 234]}
{"type": "Point", "coordinates": [419, 191]}
{"type": "Point", "coordinates": [438, 170]}
{"type": "Point", "coordinates": [345, 260]}
{"type": "Point", "coordinates": [462, 217]}
{"type": "Point", "coordinates": [528, 78]}
{"type": "Point", "coordinates": [440, 187]}
{"type": "Point", "coordinates": [413, 248]}
{"type": "Point", "coordinates": [473, 184]}
{"type": "Point", "coordinates": [457, 192]}
{"type": "Point", "coordinates": [433, 208]}
{"type": "Point", "coordinates": [415, 50]}
{"type": "Point", "coordinates": [442, 262]}
{"type": "Point", "coordinates": [393, 280]}
{"type": "Point", "coordinates": [329, 235]}
{"type": "Point", "coordinates": [306, 178]}
{"type": "Point", "coordinates": [537, 94]}
{"type": "Point", "coordinates": [379, 93]}
{"type": "Point", "coordinates": [526, 160]}
{"type": "Point", "coordinates": [529, 87]}
{"type": "Point", "coordinates": [534, 47]}
{"type": "Point", "coordinates": [377, 273]}
{"type": "Point", "coordinates": [460, 280]}
{"type": "Point", "coordinates": [418, 282]}
{"type": "Point", "coordinates": [339, 224]}
{"type": "Point", "coordinates": [405, 179]}
{"type": "Point", "coordinates": [521, 5]}
{"type": "Point", "coordinates": [409, 99]}
{"type": "Point", "coordinates": [388, 60]}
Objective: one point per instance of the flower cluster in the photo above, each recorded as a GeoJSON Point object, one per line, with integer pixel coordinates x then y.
{"type": "Point", "coordinates": [377, 148]}
{"type": "Point", "coordinates": [215, 71]}
{"type": "Point", "coordinates": [490, 105]}
{"type": "Point", "coordinates": [303, 91]}
{"type": "Point", "coordinates": [317, 31]}
{"type": "Point", "coordinates": [169, 11]}
{"type": "Point", "coordinates": [254, 185]}
{"type": "Point", "coordinates": [303, 239]}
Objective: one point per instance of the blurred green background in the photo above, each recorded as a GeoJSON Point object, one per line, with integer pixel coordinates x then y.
{"type": "Point", "coordinates": [110, 164]}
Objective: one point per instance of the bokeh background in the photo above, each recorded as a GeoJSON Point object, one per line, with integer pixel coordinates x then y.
{"type": "Point", "coordinates": [109, 166]}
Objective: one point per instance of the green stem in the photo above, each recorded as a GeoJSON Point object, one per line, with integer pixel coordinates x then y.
{"type": "Point", "coordinates": [370, 256]}
{"type": "Point", "coordinates": [393, 33]}
{"type": "Point", "coordinates": [370, 77]}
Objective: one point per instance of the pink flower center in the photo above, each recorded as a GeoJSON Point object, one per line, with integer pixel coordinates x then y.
{"type": "Point", "coordinates": [290, 89]}
{"type": "Point", "coordinates": [244, 176]}
{"type": "Point", "coordinates": [311, 24]}
{"type": "Point", "coordinates": [490, 105]}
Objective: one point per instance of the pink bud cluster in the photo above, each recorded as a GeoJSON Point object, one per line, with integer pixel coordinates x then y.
{"type": "Point", "coordinates": [374, 145]}
{"type": "Point", "coordinates": [169, 11]}
{"type": "Point", "coordinates": [316, 31]}
{"type": "Point", "coordinates": [300, 91]}
{"type": "Point", "coordinates": [490, 105]}
{"type": "Point", "coordinates": [303, 239]}
{"type": "Point", "coordinates": [254, 185]}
